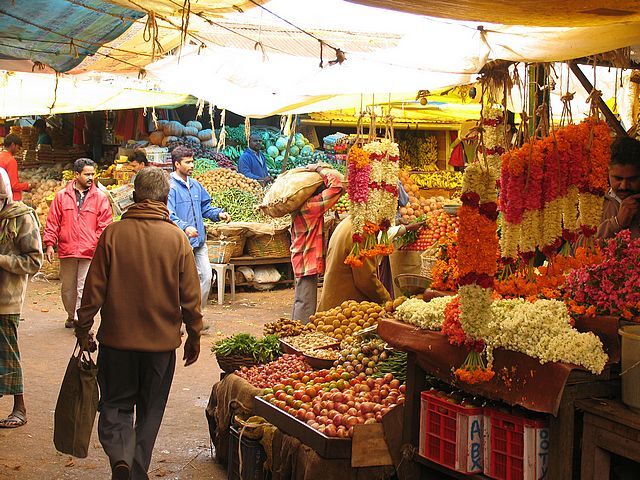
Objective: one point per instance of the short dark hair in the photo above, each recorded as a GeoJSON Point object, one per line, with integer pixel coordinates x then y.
{"type": "Point", "coordinates": [151, 184]}
{"type": "Point", "coordinates": [179, 153]}
{"type": "Point", "coordinates": [12, 139]}
{"type": "Point", "coordinates": [625, 151]}
{"type": "Point", "coordinates": [40, 123]}
{"type": "Point", "coordinates": [140, 157]}
{"type": "Point", "coordinates": [80, 163]}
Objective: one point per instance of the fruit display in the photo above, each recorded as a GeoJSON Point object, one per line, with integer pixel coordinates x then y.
{"type": "Point", "coordinates": [362, 356]}
{"type": "Point", "coordinates": [342, 207]}
{"type": "Point", "coordinates": [286, 327]}
{"type": "Point", "coordinates": [310, 341]}
{"type": "Point", "coordinates": [417, 206]}
{"type": "Point", "coordinates": [419, 152]}
{"type": "Point", "coordinates": [349, 317]}
{"type": "Point", "coordinates": [273, 373]}
{"type": "Point", "coordinates": [440, 226]}
{"type": "Point", "coordinates": [440, 179]}
{"type": "Point", "coordinates": [224, 179]}
{"type": "Point", "coordinates": [332, 402]}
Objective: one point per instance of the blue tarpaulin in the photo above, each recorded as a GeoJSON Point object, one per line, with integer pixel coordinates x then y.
{"type": "Point", "coordinates": [60, 33]}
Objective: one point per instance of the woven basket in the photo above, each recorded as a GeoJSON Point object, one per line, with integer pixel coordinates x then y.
{"type": "Point", "coordinates": [428, 260]}
{"type": "Point", "coordinates": [220, 251]}
{"type": "Point", "coordinates": [232, 363]}
{"type": "Point", "coordinates": [277, 245]}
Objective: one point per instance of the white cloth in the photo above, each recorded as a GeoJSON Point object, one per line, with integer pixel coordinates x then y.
{"type": "Point", "coordinates": [6, 194]}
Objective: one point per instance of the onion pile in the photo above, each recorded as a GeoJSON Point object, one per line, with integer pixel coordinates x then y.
{"type": "Point", "coordinates": [278, 371]}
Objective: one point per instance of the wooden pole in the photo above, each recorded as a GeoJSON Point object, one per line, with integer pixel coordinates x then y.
{"type": "Point", "coordinates": [604, 108]}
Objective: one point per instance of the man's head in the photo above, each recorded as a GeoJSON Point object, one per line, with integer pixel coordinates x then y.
{"type": "Point", "coordinates": [151, 184]}
{"type": "Point", "coordinates": [12, 143]}
{"type": "Point", "coordinates": [255, 142]}
{"type": "Point", "coordinates": [182, 158]}
{"type": "Point", "coordinates": [40, 125]}
{"type": "Point", "coordinates": [84, 169]}
{"type": "Point", "coordinates": [138, 161]}
{"type": "Point", "coordinates": [624, 168]}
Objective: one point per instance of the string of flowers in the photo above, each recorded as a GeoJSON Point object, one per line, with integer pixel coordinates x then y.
{"type": "Point", "coordinates": [493, 126]}
{"type": "Point", "coordinates": [373, 193]}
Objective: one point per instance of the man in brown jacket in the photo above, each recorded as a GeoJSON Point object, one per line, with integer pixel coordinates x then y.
{"type": "Point", "coordinates": [622, 204]}
{"type": "Point", "coordinates": [344, 282]}
{"type": "Point", "coordinates": [138, 335]}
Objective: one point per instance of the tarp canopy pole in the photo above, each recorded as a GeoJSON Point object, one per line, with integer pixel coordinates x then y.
{"type": "Point", "coordinates": [612, 120]}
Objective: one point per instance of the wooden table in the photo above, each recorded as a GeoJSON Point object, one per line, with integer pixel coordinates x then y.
{"type": "Point", "coordinates": [609, 427]}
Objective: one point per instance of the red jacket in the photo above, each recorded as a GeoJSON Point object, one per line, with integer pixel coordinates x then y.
{"type": "Point", "coordinates": [77, 233]}
{"type": "Point", "coordinates": [11, 166]}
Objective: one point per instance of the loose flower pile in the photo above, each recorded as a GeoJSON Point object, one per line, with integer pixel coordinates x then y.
{"type": "Point", "coordinates": [425, 315]}
{"type": "Point", "coordinates": [609, 287]}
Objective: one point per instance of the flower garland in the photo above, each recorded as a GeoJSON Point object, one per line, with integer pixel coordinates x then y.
{"type": "Point", "coordinates": [493, 134]}
{"type": "Point", "coordinates": [373, 194]}
{"type": "Point", "coordinates": [552, 189]}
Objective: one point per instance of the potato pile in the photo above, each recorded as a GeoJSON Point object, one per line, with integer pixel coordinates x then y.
{"type": "Point", "coordinates": [41, 191]}
{"type": "Point", "coordinates": [286, 327]}
{"type": "Point", "coordinates": [224, 179]}
{"type": "Point", "coordinates": [350, 317]}
{"type": "Point", "coordinates": [417, 206]}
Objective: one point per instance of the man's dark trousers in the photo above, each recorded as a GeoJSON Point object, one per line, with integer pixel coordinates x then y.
{"type": "Point", "coordinates": [129, 379]}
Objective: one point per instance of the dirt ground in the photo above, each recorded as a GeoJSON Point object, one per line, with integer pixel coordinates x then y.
{"type": "Point", "coordinates": [182, 450]}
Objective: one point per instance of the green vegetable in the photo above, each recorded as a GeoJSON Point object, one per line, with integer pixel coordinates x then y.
{"type": "Point", "coordinates": [202, 165]}
{"type": "Point", "coordinates": [237, 203]}
{"type": "Point", "coordinates": [396, 364]}
{"type": "Point", "coordinates": [264, 350]}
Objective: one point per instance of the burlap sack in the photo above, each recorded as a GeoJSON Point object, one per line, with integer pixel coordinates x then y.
{"type": "Point", "coordinates": [290, 191]}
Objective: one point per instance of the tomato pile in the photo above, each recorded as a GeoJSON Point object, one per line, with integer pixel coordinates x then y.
{"type": "Point", "coordinates": [332, 402]}
{"type": "Point", "coordinates": [262, 376]}
{"type": "Point", "coordinates": [440, 226]}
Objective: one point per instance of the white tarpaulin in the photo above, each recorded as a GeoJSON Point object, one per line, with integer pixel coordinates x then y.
{"type": "Point", "coordinates": [24, 94]}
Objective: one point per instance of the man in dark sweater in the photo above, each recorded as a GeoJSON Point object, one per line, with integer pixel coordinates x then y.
{"type": "Point", "coordinates": [138, 336]}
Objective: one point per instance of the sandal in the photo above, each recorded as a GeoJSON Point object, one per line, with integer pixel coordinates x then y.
{"type": "Point", "coordinates": [15, 420]}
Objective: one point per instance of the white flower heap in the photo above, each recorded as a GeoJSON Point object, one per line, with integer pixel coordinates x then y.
{"type": "Point", "coordinates": [424, 315]}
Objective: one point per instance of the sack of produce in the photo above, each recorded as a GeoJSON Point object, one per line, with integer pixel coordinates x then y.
{"type": "Point", "coordinates": [290, 191]}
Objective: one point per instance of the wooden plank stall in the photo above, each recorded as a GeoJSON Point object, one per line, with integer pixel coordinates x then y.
{"type": "Point", "coordinates": [609, 427]}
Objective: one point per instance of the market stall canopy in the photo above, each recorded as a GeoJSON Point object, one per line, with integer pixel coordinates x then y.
{"type": "Point", "coordinates": [24, 94]}
{"type": "Point", "coordinates": [549, 13]}
{"type": "Point", "coordinates": [104, 35]}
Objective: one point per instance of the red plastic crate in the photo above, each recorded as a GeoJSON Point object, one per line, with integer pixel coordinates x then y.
{"type": "Point", "coordinates": [516, 447]}
{"type": "Point", "coordinates": [451, 434]}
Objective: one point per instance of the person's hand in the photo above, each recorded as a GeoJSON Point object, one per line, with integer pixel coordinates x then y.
{"type": "Point", "coordinates": [88, 343]}
{"type": "Point", "coordinates": [267, 179]}
{"type": "Point", "coordinates": [50, 253]}
{"type": "Point", "coordinates": [224, 217]}
{"type": "Point", "coordinates": [191, 351]}
{"type": "Point", "coordinates": [192, 232]}
{"type": "Point", "coordinates": [415, 226]}
{"type": "Point", "coordinates": [629, 208]}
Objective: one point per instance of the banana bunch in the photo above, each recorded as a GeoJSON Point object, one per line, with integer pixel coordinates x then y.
{"type": "Point", "coordinates": [67, 175]}
{"type": "Point", "coordinates": [440, 179]}
{"type": "Point", "coordinates": [419, 153]}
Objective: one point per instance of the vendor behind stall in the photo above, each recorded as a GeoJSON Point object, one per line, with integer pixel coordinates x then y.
{"type": "Point", "coordinates": [343, 282]}
{"type": "Point", "coordinates": [138, 161]}
{"type": "Point", "coordinates": [622, 204]}
{"type": "Point", "coordinates": [252, 163]}
{"type": "Point", "coordinates": [12, 145]}
{"type": "Point", "coordinates": [41, 128]}
{"type": "Point", "coordinates": [307, 243]}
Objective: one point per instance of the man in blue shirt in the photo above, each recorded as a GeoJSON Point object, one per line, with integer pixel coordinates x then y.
{"type": "Point", "coordinates": [189, 203]}
{"type": "Point", "coordinates": [252, 163]}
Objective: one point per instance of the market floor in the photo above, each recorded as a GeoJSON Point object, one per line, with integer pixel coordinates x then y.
{"type": "Point", "coordinates": [182, 449]}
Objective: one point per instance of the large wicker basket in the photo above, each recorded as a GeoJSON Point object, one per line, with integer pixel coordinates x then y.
{"type": "Point", "coordinates": [277, 245]}
{"type": "Point", "coordinates": [220, 251]}
{"type": "Point", "coordinates": [232, 363]}
{"type": "Point", "coordinates": [428, 260]}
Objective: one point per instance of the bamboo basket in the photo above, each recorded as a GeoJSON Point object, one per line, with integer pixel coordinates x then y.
{"type": "Point", "coordinates": [231, 363]}
{"type": "Point", "coordinates": [277, 245]}
{"type": "Point", "coordinates": [220, 251]}
{"type": "Point", "coordinates": [428, 260]}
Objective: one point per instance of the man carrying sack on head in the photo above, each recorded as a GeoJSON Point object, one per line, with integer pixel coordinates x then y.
{"type": "Point", "coordinates": [20, 256]}
{"type": "Point", "coordinates": [138, 337]}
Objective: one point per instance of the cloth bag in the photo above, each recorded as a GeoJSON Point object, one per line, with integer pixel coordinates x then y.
{"type": "Point", "coordinates": [77, 406]}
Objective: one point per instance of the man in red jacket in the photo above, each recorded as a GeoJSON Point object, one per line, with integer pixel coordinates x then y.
{"type": "Point", "coordinates": [12, 144]}
{"type": "Point", "coordinates": [77, 217]}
